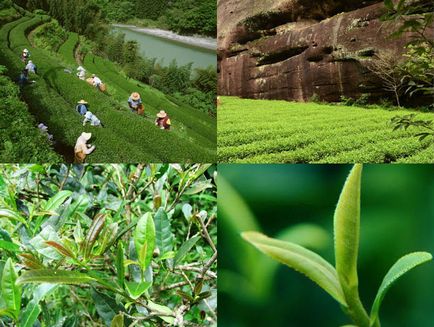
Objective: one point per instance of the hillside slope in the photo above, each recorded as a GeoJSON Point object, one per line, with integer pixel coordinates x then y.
{"type": "Point", "coordinates": [126, 137]}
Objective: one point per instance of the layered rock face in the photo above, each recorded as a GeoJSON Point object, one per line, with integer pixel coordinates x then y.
{"type": "Point", "coordinates": [297, 49]}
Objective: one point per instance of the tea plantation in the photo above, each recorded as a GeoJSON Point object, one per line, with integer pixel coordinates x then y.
{"type": "Point", "coordinates": [125, 137]}
{"type": "Point", "coordinates": [261, 131]}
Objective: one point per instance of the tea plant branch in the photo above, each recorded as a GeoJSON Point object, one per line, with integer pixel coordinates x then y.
{"type": "Point", "coordinates": [209, 264]}
{"type": "Point", "coordinates": [131, 188]}
{"type": "Point", "coordinates": [206, 234]}
{"type": "Point", "coordinates": [199, 270]}
{"type": "Point", "coordinates": [210, 220]}
{"type": "Point", "coordinates": [62, 184]}
{"type": "Point", "coordinates": [83, 305]}
{"type": "Point", "coordinates": [178, 284]}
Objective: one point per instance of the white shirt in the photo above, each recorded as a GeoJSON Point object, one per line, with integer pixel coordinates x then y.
{"type": "Point", "coordinates": [31, 67]}
{"type": "Point", "coordinates": [90, 117]}
{"type": "Point", "coordinates": [96, 81]}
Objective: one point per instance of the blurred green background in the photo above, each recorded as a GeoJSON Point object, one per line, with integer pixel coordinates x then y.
{"type": "Point", "coordinates": [397, 217]}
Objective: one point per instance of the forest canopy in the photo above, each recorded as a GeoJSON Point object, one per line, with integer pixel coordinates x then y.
{"type": "Point", "coordinates": [181, 16]}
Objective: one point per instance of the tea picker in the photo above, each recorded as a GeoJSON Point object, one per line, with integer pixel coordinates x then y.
{"type": "Point", "coordinates": [135, 103]}
{"type": "Point", "coordinates": [25, 55]}
{"type": "Point", "coordinates": [82, 149]}
{"type": "Point", "coordinates": [82, 107]}
{"type": "Point", "coordinates": [96, 81]}
{"type": "Point", "coordinates": [92, 119]}
{"type": "Point", "coordinates": [31, 67]}
{"type": "Point", "coordinates": [163, 120]}
{"type": "Point", "coordinates": [81, 73]}
{"type": "Point", "coordinates": [24, 78]}
{"type": "Point", "coordinates": [44, 131]}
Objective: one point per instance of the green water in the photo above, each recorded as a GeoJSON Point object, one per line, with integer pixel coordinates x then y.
{"type": "Point", "coordinates": [166, 50]}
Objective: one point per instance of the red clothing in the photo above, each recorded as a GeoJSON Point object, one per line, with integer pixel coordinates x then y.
{"type": "Point", "coordinates": [163, 122]}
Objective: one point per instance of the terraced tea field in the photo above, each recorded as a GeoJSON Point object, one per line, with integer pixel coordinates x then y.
{"type": "Point", "coordinates": [126, 137]}
{"type": "Point", "coordinates": [261, 131]}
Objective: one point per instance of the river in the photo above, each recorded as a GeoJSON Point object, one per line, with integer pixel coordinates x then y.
{"type": "Point", "coordinates": [166, 46]}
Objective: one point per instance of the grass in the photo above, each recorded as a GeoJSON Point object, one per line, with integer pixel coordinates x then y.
{"type": "Point", "coordinates": [263, 131]}
{"type": "Point", "coordinates": [125, 138]}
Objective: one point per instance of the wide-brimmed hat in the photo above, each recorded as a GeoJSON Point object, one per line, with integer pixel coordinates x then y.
{"type": "Point", "coordinates": [82, 101]}
{"type": "Point", "coordinates": [30, 62]}
{"type": "Point", "coordinates": [86, 136]}
{"type": "Point", "coordinates": [93, 75]}
{"type": "Point", "coordinates": [135, 96]}
{"type": "Point", "coordinates": [162, 114]}
{"type": "Point", "coordinates": [80, 68]}
{"type": "Point", "coordinates": [25, 50]}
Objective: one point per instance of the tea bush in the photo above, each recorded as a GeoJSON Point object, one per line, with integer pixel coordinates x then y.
{"type": "Point", "coordinates": [108, 245]}
{"type": "Point", "coordinates": [285, 132]}
{"type": "Point", "coordinates": [49, 36]}
{"type": "Point", "coordinates": [20, 140]}
{"type": "Point", "coordinates": [66, 50]}
{"type": "Point", "coordinates": [196, 123]}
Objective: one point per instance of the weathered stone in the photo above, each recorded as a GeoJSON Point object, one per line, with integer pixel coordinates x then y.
{"type": "Point", "coordinates": [295, 49]}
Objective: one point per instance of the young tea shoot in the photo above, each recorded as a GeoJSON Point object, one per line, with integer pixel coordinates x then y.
{"type": "Point", "coordinates": [341, 281]}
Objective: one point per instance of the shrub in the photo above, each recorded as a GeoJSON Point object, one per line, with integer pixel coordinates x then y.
{"type": "Point", "coordinates": [102, 234]}
{"type": "Point", "coordinates": [50, 36]}
{"type": "Point", "coordinates": [20, 139]}
{"type": "Point", "coordinates": [5, 4]}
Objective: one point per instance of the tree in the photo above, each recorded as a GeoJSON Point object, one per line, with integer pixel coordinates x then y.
{"type": "Point", "coordinates": [386, 66]}
{"type": "Point", "coordinates": [415, 17]}
{"type": "Point", "coordinates": [151, 9]}
{"type": "Point", "coordinates": [130, 51]}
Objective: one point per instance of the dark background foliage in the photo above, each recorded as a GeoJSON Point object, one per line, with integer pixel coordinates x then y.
{"type": "Point", "coordinates": [397, 217]}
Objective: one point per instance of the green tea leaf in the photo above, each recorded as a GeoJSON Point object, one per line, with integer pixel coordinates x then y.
{"type": "Point", "coordinates": [118, 321]}
{"type": "Point", "coordinates": [106, 306]}
{"type": "Point", "coordinates": [402, 266]}
{"type": "Point", "coordinates": [163, 233]}
{"type": "Point", "coordinates": [55, 202]}
{"type": "Point", "coordinates": [185, 295]}
{"type": "Point", "coordinates": [8, 312]}
{"type": "Point", "coordinates": [302, 260]}
{"type": "Point", "coordinates": [347, 228]}
{"type": "Point", "coordinates": [162, 309]}
{"type": "Point", "coordinates": [198, 187]}
{"type": "Point", "coordinates": [119, 263]}
{"type": "Point", "coordinates": [135, 290]}
{"type": "Point", "coordinates": [61, 248]}
{"type": "Point", "coordinates": [144, 239]}
{"type": "Point", "coordinates": [6, 213]}
{"type": "Point", "coordinates": [30, 314]}
{"type": "Point", "coordinates": [93, 233]}
{"type": "Point", "coordinates": [53, 277]}
{"type": "Point", "coordinates": [388, 4]}
{"type": "Point", "coordinates": [11, 292]}
{"type": "Point", "coordinates": [9, 246]}
{"type": "Point", "coordinates": [39, 242]}
{"type": "Point", "coordinates": [184, 249]}
{"type": "Point", "coordinates": [108, 237]}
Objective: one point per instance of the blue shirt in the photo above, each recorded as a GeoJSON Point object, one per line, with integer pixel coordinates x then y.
{"type": "Point", "coordinates": [81, 109]}
{"type": "Point", "coordinates": [134, 102]}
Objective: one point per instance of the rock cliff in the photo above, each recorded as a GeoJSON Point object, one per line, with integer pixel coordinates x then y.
{"type": "Point", "coordinates": [295, 49]}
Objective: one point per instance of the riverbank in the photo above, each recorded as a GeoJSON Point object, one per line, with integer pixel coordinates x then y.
{"type": "Point", "coordinates": [200, 42]}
